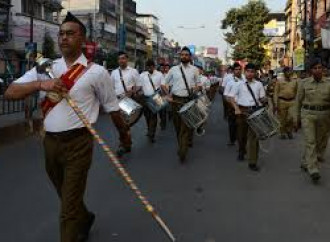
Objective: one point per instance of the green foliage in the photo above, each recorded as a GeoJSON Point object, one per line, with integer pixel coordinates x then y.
{"type": "Point", "coordinates": [48, 47]}
{"type": "Point", "coordinates": [245, 27]}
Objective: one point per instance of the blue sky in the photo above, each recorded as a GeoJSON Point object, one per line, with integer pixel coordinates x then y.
{"type": "Point", "coordinates": [194, 13]}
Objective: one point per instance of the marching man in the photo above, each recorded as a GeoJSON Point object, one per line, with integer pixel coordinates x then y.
{"type": "Point", "coordinates": [68, 144]}
{"type": "Point", "coordinates": [246, 98]}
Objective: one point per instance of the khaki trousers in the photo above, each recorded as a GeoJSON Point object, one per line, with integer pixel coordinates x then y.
{"type": "Point", "coordinates": [315, 125]}
{"type": "Point", "coordinates": [247, 139]}
{"type": "Point", "coordinates": [183, 133]}
{"type": "Point", "coordinates": [68, 159]}
{"type": "Point", "coordinates": [285, 116]}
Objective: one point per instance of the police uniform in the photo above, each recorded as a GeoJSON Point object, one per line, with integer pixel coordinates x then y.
{"type": "Point", "coordinates": [68, 144]}
{"type": "Point", "coordinates": [181, 96]}
{"type": "Point", "coordinates": [150, 84]}
{"type": "Point", "coordinates": [313, 110]}
{"type": "Point", "coordinates": [245, 135]}
{"type": "Point", "coordinates": [284, 97]}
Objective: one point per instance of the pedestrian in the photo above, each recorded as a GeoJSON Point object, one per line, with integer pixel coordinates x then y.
{"type": "Point", "coordinates": [232, 84]}
{"type": "Point", "coordinates": [184, 82]}
{"type": "Point", "coordinates": [68, 144]}
{"type": "Point", "coordinates": [124, 79]}
{"type": "Point", "coordinates": [204, 81]}
{"type": "Point", "coordinates": [313, 115]}
{"type": "Point", "coordinates": [226, 78]}
{"type": "Point", "coordinates": [284, 97]}
{"type": "Point", "coordinates": [150, 82]}
{"type": "Point", "coordinates": [246, 98]}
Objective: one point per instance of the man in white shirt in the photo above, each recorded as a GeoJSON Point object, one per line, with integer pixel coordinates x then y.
{"type": "Point", "coordinates": [184, 81]}
{"type": "Point", "coordinates": [244, 104]}
{"type": "Point", "coordinates": [150, 82]}
{"type": "Point", "coordinates": [225, 80]}
{"type": "Point", "coordinates": [204, 81]}
{"type": "Point", "coordinates": [124, 79]}
{"type": "Point", "coordinates": [237, 78]}
{"type": "Point", "coordinates": [164, 69]}
{"type": "Point", "coordinates": [68, 144]}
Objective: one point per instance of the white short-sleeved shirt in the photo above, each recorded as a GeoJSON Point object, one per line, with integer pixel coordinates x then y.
{"type": "Point", "coordinates": [232, 84]}
{"type": "Point", "coordinates": [205, 82]}
{"type": "Point", "coordinates": [91, 90]}
{"type": "Point", "coordinates": [242, 95]}
{"type": "Point", "coordinates": [175, 79]}
{"type": "Point", "coordinates": [144, 82]}
{"type": "Point", "coordinates": [130, 76]}
{"type": "Point", "coordinates": [226, 79]}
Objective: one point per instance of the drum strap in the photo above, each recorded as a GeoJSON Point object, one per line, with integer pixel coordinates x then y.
{"type": "Point", "coordinates": [185, 81]}
{"type": "Point", "coordinates": [152, 84]}
{"type": "Point", "coordinates": [252, 94]}
{"type": "Point", "coordinates": [122, 80]}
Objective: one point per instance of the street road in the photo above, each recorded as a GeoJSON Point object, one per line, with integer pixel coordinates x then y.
{"type": "Point", "coordinates": [213, 198]}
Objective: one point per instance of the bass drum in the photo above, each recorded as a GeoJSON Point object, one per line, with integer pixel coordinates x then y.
{"type": "Point", "coordinates": [131, 110]}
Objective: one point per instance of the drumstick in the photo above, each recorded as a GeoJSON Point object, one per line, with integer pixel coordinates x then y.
{"type": "Point", "coordinates": [120, 169]}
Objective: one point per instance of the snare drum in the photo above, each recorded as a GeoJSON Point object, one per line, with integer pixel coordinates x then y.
{"type": "Point", "coordinates": [194, 114]}
{"type": "Point", "coordinates": [156, 102]}
{"type": "Point", "coordinates": [130, 110]}
{"type": "Point", "coordinates": [263, 123]}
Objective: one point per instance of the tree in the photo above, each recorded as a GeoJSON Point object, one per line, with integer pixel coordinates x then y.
{"type": "Point", "coordinates": [48, 47]}
{"type": "Point", "coordinates": [245, 27]}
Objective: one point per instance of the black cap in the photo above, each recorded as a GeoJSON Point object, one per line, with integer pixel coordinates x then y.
{"type": "Point", "coordinates": [316, 61]}
{"type": "Point", "coordinates": [286, 69]}
{"type": "Point", "coordinates": [71, 18]}
{"type": "Point", "coordinates": [150, 62]}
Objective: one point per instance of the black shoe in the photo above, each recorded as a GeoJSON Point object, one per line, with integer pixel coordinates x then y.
{"type": "Point", "coordinates": [122, 151]}
{"type": "Point", "coordinates": [254, 167]}
{"type": "Point", "coordinates": [303, 168]}
{"type": "Point", "coordinates": [152, 139]}
{"type": "Point", "coordinates": [282, 136]}
{"type": "Point", "coordinates": [315, 177]}
{"type": "Point", "coordinates": [190, 145]}
{"type": "Point", "coordinates": [84, 233]}
{"type": "Point", "coordinates": [231, 144]}
{"type": "Point", "coordinates": [290, 136]}
{"type": "Point", "coordinates": [240, 157]}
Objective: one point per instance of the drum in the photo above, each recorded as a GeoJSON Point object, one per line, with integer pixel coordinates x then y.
{"type": "Point", "coordinates": [130, 110]}
{"type": "Point", "coordinates": [156, 102]}
{"type": "Point", "coordinates": [263, 123]}
{"type": "Point", "coordinates": [203, 99]}
{"type": "Point", "coordinates": [194, 114]}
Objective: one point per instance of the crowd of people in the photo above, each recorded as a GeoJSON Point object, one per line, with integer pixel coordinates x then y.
{"type": "Point", "coordinates": [68, 144]}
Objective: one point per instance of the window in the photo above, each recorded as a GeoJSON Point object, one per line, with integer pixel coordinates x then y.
{"type": "Point", "coordinates": [48, 14]}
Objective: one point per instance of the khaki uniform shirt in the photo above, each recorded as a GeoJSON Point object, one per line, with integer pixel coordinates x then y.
{"type": "Point", "coordinates": [313, 93]}
{"type": "Point", "coordinates": [286, 90]}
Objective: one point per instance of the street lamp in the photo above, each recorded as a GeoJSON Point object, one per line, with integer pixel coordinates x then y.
{"type": "Point", "coordinates": [187, 28]}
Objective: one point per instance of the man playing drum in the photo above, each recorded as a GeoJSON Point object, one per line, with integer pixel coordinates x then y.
{"type": "Point", "coordinates": [150, 81]}
{"type": "Point", "coordinates": [246, 98]}
{"type": "Point", "coordinates": [313, 113]}
{"type": "Point", "coordinates": [124, 79]}
{"type": "Point", "coordinates": [184, 81]}
{"type": "Point", "coordinates": [284, 97]}
{"type": "Point", "coordinates": [68, 144]}
{"type": "Point", "coordinates": [235, 81]}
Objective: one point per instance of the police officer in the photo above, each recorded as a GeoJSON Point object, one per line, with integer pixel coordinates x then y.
{"type": "Point", "coordinates": [284, 97]}
{"type": "Point", "coordinates": [313, 114]}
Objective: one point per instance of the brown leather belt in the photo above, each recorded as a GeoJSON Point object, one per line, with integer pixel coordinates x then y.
{"type": "Point", "coordinates": [68, 134]}
{"type": "Point", "coordinates": [316, 107]}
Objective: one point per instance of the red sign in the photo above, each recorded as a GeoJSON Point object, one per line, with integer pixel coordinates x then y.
{"type": "Point", "coordinates": [90, 50]}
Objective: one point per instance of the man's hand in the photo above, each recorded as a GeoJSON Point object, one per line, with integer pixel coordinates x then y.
{"type": "Point", "coordinates": [129, 93]}
{"type": "Point", "coordinates": [53, 85]}
{"type": "Point", "coordinates": [238, 111]}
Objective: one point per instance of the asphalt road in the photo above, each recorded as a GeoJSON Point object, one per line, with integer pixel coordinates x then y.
{"type": "Point", "coordinates": [213, 198]}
